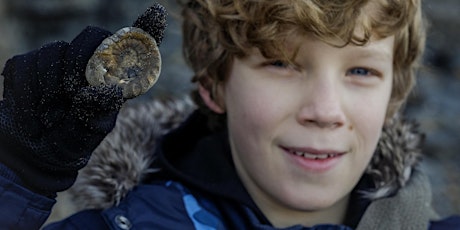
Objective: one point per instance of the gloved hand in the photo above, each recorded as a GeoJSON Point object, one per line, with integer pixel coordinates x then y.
{"type": "Point", "coordinates": [51, 119]}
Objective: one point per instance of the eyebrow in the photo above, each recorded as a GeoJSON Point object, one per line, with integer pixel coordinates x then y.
{"type": "Point", "coordinates": [374, 53]}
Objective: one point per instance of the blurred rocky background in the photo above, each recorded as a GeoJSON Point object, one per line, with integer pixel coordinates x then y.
{"type": "Point", "coordinates": [435, 104]}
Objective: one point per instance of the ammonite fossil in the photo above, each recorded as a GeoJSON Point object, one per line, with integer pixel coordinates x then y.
{"type": "Point", "coordinates": [130, 59]}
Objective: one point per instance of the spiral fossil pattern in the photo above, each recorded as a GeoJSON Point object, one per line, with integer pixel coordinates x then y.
{"type": "Point", "coordinates": [130, 59]}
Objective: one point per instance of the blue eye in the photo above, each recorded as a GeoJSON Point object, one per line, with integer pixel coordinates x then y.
{"type": "Point", "coordinates": [360, 71]}
{"type": "Point", "coordinates": [279, 64]}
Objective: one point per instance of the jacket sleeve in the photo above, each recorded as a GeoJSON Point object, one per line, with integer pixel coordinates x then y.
{"type": "Point", "coordinates": [450, 223]}
{"type": "Point", "coordinates": [21, 208]}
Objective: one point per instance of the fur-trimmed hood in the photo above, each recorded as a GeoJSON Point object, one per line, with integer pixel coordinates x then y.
{"type": "Point", "coordinates": [124, 157]}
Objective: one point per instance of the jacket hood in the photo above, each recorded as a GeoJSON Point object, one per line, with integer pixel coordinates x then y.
{"type": "Point", "coordinates": [124, 157]}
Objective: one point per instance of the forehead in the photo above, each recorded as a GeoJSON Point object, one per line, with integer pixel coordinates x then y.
{"type": "Point", "coordinates": [381, 48]}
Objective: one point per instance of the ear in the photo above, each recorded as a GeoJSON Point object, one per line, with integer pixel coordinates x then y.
{"type": "Point", "coordinates": [209, 101]}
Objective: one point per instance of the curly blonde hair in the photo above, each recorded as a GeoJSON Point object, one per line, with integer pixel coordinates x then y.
{"type": "Point", "coordinates": [217, 31]}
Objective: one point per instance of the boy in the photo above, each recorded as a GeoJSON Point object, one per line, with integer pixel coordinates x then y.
{"type": "Point", "coordinates": [293, 97]}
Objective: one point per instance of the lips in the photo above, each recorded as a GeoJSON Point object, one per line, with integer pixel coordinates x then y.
{"type": "Point", "coordinates": [315, 160]}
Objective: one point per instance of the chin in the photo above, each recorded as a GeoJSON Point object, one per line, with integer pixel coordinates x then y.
{"type": "Point", "coordinates": [318, 205]}
{"type": "Point", "coordinates": [318, 202]}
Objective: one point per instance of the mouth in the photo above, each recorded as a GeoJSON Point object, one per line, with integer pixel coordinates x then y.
{"type": "Point", "coordinates": [308, 155]}
{"type": "Point", "coordinates": [313, 154]}
{"type": "Point", "coordinates": [314, 160]}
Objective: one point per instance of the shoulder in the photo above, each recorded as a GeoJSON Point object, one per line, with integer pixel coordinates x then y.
{"type": "Point", "coordinates": [450, 223]}
{"type": "Point", "coordinates": [159, 205]}
{"type": "Point", "coordinates": [165, 205]}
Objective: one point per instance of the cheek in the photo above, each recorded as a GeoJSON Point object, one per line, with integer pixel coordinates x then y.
{"type": "Point", "coordinates": [368, 122]}
{"type": "Point", "coordinates": [251, 109]}
{"type": "Point", "coordinates": [249, 123]}
{"type": "Point", "coordinates": [253, 115]}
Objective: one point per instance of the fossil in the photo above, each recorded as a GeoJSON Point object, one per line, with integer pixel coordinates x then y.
{"type": "Point", "coordinates": [130, 59]}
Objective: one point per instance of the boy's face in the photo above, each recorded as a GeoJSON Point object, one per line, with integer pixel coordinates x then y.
{"type": "Point", "coordinates": [302, 134]}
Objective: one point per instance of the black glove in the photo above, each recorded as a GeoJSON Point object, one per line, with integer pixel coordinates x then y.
{"type": "Point", "coordinates": [51, 119]}
{"type": "Point", "coordinates": [51, 115]}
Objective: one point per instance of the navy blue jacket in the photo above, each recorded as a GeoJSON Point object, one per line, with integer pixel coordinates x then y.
{"type": "Point", "coordinates": [166, 205]}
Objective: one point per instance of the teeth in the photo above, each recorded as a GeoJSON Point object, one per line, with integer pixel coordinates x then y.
{"type": "Point", "coordinates": [313, 156]}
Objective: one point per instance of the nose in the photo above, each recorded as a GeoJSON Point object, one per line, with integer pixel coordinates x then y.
{"type": "Point", "coordinates": [322, 105]}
